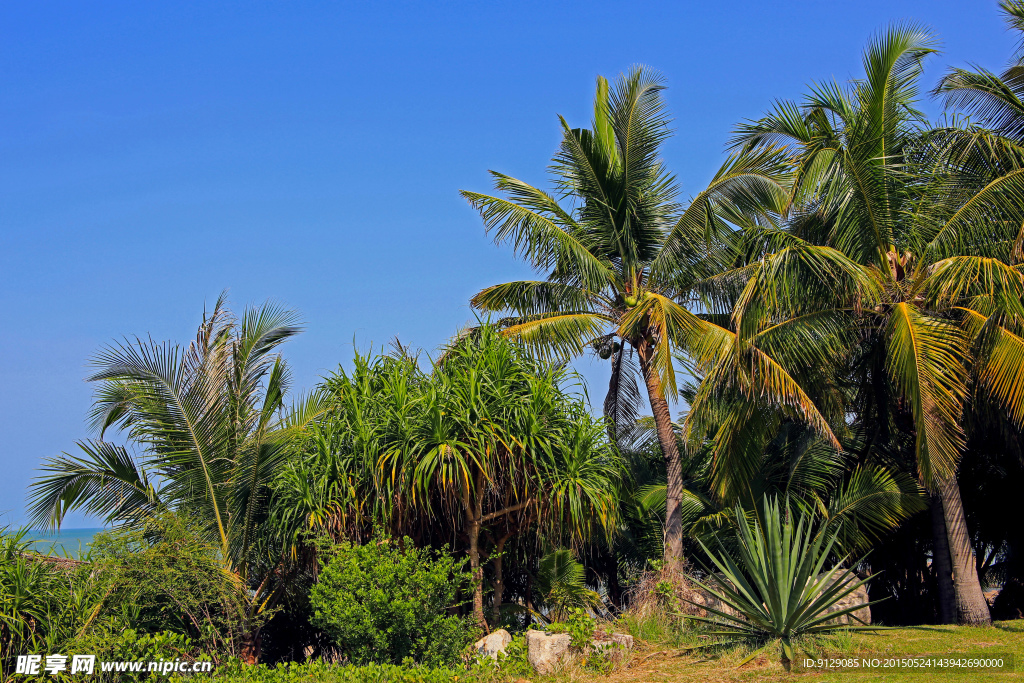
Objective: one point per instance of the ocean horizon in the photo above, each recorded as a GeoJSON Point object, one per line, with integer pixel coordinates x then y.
{"type": "Point", "coordinates": [66, 543]}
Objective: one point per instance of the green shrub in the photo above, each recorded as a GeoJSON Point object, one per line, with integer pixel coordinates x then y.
{"type": "Point", "coordinates": [115, 644]}
{"type": "Point", "coordinates": [43, 605]}
{"type": "Point", "coordinates": [318, 671]}
{"type": "Point", "coordinates": [580, 627]}
{"type": "Point", "coordinates": [165, 577]}
{"type": "Point", "coordinates": [511, 664]}
{"type": "Point", "coordinates": [381, 603]}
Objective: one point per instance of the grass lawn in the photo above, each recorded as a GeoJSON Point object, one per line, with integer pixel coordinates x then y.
{"type": "Point", "coordinates": [657, 663]}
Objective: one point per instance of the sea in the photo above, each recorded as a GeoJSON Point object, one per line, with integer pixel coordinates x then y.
{"type": "Point", "coordinates": [72, 543]}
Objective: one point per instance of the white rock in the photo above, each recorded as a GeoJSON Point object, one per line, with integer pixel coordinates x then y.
{"type": "Point", "coordinates": [700, 599]}
{"type": "Point", "coordinates": [857, 597]}
{"type": "Point", "coordinates": [613, 645]}
{"type": "Point", "coordinates": [491, 645]}
{"type": "Point", "coordinates": [547, 650]}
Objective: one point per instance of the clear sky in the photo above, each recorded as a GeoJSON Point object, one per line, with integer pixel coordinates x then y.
{"type": "Point", "coordinates": [155, 153]}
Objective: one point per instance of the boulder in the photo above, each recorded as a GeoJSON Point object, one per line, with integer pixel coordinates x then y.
{"type": "Point", "coordinates": [857, 597]}
{"type": "Point", "coordinates": [491, 645]}
{"type": "Point", "coordinates": [546, 651]}
{"type": "Point", "coordinates": [699, 600]}
{"type": "Point", "coordinates": [613, 645]}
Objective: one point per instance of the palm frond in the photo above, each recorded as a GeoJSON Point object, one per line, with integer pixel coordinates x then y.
{"type": "Point", "coordinates": [925, 360]}
{"type": "Point", "coordinates": [106, 482]}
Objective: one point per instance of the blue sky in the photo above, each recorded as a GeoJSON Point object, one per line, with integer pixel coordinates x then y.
{"type": "Point", "coordinates": [153, 154]}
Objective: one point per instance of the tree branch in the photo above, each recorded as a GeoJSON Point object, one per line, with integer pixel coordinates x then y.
{"type": "Point", "coordinates": [493, 515]}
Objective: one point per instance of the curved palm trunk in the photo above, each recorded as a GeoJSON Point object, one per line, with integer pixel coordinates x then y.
{"type": "Point", "coordinates": [669, 449]}
{"type": "Point", "coordinates": [971, 606]}
{"type": "Point", "coordinates": [474, 513]}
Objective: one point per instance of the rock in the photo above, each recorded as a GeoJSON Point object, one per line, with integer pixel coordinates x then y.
{"type": "Point", "coordinates": [491, 645]}
{"type": "Point", "coordinates": [857, 597]}
{"type": "Point", "coordinates": [700, 600]}
{"type": "Point", "coordinates": [614, 645]}
{"type": "Point", "coordinates": [623, 640]}
{"type": "Point", "coordinates": [547, 650]}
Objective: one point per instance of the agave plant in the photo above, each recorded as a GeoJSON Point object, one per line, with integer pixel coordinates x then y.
{"type": "Point", "coordinates": [775, 583]}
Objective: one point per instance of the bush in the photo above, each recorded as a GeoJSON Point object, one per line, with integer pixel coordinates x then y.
{"type": "Point", "coordinates": [115, 644]}
{"type": "Point", "coordinates": [319, 671]}
{"type": "Point", "coordinates": [44, 603]}
{"type": "Point", "coordinates": [380, 603]}
{"type": "Point", "coordinates": [142, 596]}
{"type": "Point", "coordinates": [165, 577]}
{"type": "Point", "coordinates": [580, 626]}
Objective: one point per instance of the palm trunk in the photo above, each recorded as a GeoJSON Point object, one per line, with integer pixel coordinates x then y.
{"type": "Point", "coordinates": [971, 607]}
{"type": "Point", "coordinates": [941, 563]}
{"type": "Point", "coordinates": [670, 451]}
{"type": "Point", "coordinates": [250, 652]}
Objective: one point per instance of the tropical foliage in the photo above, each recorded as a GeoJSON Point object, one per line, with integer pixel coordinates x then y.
{"type": "Point", "coordinates": [211, 428]}
{"type": "Point", "coordinates": [777, 585]}
{"type": "Point", "coordinates": [838, 314]}
{"type": "Point", "coordinates": [886, 290]}
{"type": "Point", "coordinates": [623, 262]}
{"type": "Point", "coordinates": [380, 602]}
{"type": "Point", "coordinates": [108, 607]}
{"type": "Point", "coordinates": [487, 445]}
{"type": "Point", "coordinates": [562, 586]}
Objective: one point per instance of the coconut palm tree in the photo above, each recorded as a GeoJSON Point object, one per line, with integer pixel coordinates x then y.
{"type": "Point", "coordinates": [996, 100]}
{"type": "Point", "coordinates": [621, 260]}
{"type": "Point", "coordinates": [210, 427]}
{"type": "Point", "coordinates": [994, 156]}
{"type": "Point", "coordinates": [890, 276]}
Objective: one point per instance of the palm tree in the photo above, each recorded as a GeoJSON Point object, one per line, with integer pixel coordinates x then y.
{"type": "Point", "coordinates": [859, 502]}
{"type": "Point", "coordinates": [622, 261]}
{"type": "Point", "coordinates": [889, 274]}
{"type": "Point", "coordinates": [210, 425]}
{"type": "Point", "coordinates": [996, 101]}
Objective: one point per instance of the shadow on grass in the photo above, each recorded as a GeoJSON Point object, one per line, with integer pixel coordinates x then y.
{"type": "Point", "coordinates": [1016, 626]}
